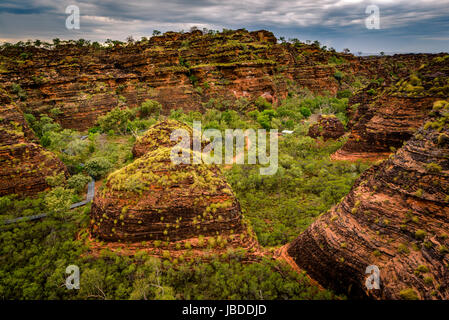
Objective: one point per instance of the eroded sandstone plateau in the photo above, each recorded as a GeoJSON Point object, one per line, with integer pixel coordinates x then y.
{"type": "Point", "coordinates": [180, 70]}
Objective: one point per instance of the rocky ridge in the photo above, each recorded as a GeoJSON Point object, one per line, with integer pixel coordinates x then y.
{"type": "Point", "coordinates": [386, 115]}
{"type": "Point", "coordinates": [180, 70]}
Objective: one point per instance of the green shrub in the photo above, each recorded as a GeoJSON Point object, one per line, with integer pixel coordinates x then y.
{"type": "Point", "coordinates": [56, 180]}
{"type": "Point", "coordinates": [150, 108]}
{"type": "Point", "coordinates": [344, 94]}
{"type": "Point", "coordinates": [264, 118]}
{"type": "Point", "coordinates": [402, 248]}
{"type": "Point", "coordinates": [371, 92]}
{"type": "Point", "coordinates": [117, 120]}
{"type": "Point", "coordinates": [77, 182]}
{"type": "Point", "coordinates": [58, 200]}
{"type": "Point", "coordinates": [55, 112]}
{"type": "Point", "coordinates": [333, 60]}
{"type": "Point", "coordinates": [98, 167]}
{"type": "Point", "coordinates": [420, 234]}
{"type": "Point", "coordinates": [338, 75]}
{"type": "Point", "coordinates": [422, 269]}
{"type": "Point", "coordinates": [408, 294]}
{"type": "Point", "coordinates": [305, 112]}
{"type": "Point", "coordinates": [443, 249]}
{"type": "Point", "coordinates": [262, 104]}
{"type": "Point", "coordinates": [5, 203]}
{"type": "Point", "coordinates": [433, 167]}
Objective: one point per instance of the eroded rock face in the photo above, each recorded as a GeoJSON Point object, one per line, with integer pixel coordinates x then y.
{"type": "Point", "coordinates": [396, 217]}
{"type": "Point", "coordinates": [179, 70]}
{"type": "Point", "coordinates": [328, 127]}
{"type": "Point", "coordinates": [386, 116]}
{"type": "Point", "coordinates": [24, 164]}
{"type": "Point", "coordinates": [155, 199]}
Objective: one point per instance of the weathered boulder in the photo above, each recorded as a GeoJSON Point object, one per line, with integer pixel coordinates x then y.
{"type": "Point", "coordinates": [328, 127]}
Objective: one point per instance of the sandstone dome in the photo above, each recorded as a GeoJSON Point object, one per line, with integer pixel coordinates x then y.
{"type": "Point", "coordinates": [155, 199]}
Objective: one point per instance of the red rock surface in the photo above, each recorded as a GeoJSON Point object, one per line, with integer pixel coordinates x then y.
{"type": "Point", "coordinates": [396, 217]}
{"type": "Point", "coordinates": [387, 116]}
{"type": "Point", "coordinates": [328, 127]}
{"type": "Point", "coordinates": [24, 164]}
{"type": "Point", "coordinates": [180, 70]}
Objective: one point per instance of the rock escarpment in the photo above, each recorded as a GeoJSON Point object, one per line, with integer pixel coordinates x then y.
{"type": "Point", "coordinates": [180, 70]}
{"type": "Point", "coordinates": [24, 165]}
{"type": "Point", "coordinates": [386, 116]}
{"type": "Point", "coordinates": [328, 127]}
{"type": "Point", "coordinates": [396, 217]}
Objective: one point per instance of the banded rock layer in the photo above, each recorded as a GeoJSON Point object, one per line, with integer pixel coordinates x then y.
{"type": "Point", "coordinates": [328, 127]}
{"type": "Point", "coordinates": [386, 116]}
{"type": "Point", "coordinates": [179, 70]}
{"type": "Point", "coordinates": [155, 199]}
{"type": "Point", "coordinates": [396, 217]}
{"type": "Point", "coordinates": [24, 164]}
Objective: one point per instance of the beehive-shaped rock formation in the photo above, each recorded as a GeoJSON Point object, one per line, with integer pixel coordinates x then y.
{"type": "Point", "coordinates": [156, 199]}
{"type": "Point", "coordinates": [395, 217]}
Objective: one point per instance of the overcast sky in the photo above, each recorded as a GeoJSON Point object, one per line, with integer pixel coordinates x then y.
{"type": "Point", "coordinates": [405, 25]}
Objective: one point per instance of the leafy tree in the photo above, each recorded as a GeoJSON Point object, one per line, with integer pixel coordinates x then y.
{"type": "Point", "coordinates": [98, 167]}
{"type": "Point", "coordinates": [305, 112]}
{"type": "Point", "coordinates": [117, 120]}
{"type": "Point", "coordinates": [262, 104]}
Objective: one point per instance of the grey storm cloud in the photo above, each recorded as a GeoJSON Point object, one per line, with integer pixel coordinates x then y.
{"type": "Point", "coordinates": [407, 26]}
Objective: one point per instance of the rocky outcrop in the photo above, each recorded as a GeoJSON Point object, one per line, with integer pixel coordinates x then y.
{"type": "Point", "coordinates": [395, 217]}
{"type": "Point", "coordinates": [328, 127]}
{"type": "Point", "coordinates": [156, 199]}
{"type": "Point", "coordinates": [179, 70]}
{"type": "Point", "coordinates": [24, 165]}
{"type": "Point", "coordinates": [386, 116]}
